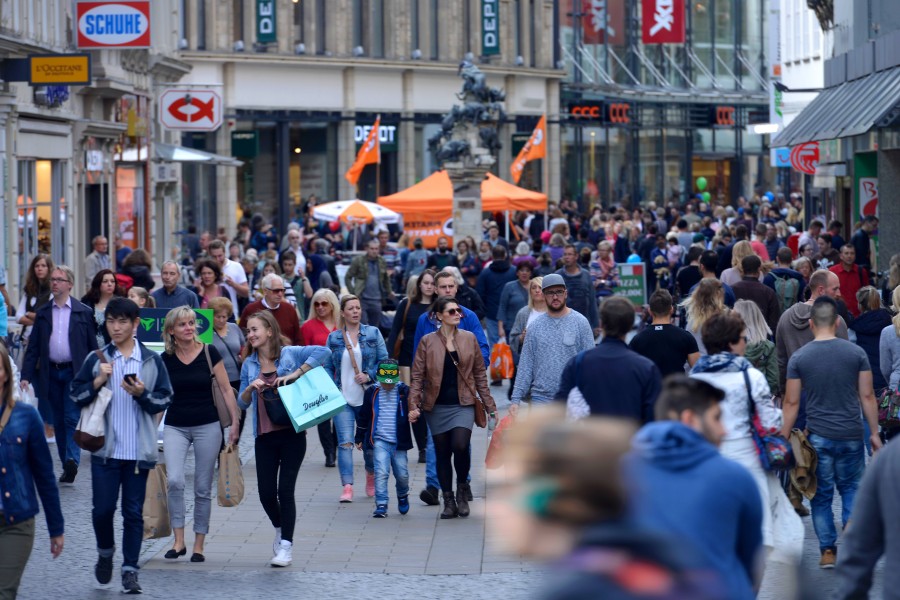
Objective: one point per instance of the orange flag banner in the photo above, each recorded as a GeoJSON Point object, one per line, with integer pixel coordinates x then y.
{"type": "Point", "coordinates": [369, 153]}
{"type": "Point", "coordinates": [535, 148]}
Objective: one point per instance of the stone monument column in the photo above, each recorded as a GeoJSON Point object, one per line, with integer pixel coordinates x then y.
{"type": "Point", "coordinates": [466, 180]}
{"type": "Point", "coordinates": [467, 145]}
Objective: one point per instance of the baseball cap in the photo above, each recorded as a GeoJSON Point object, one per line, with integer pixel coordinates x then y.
{"type": "Point", "coordinates": [552, 280]}
{"type": "Point", "coordinates": [388, 371]}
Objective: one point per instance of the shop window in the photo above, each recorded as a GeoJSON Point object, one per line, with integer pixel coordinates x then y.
{"type": "Point", "coordinates": [129, 203]}
{"type": "Point", "coordinates": [42, 211]}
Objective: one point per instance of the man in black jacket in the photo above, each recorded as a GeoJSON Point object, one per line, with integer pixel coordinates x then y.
{"type": "Point", "coordinates": [64, 333]}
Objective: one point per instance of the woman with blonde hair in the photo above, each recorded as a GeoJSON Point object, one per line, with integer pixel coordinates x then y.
{"type": "Point", "coordinates": [537, 305]}
{"type": "Point", "coordinates": [734, 274]}
{"type": "Point", "coordinates": [891, 281]}
{"type": "Point", "coordinates": [192, 419]}
{"type": "Point", "coordinates": [25, 455]}
{"type": "Point", "coordinates": [708, 299]}
{"type": "Point", "coordinates": [760, 349]}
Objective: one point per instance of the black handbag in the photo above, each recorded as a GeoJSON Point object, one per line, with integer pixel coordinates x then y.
{"type": "Point", "coordinates": [275, 408]}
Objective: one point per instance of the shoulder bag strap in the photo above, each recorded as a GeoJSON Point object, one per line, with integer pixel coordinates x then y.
{"type": "Point", "coordinates": [401, 335]}
{"type": "Point", "coordinates": [350, 350]}
{"type": "Point", "coordinates": [237, 364]}
{"type": "Point", "coordinates": [751, 408]}
{"type": "Point", "coordinates": [208, 361]}
{"type": "Point", "coordinates": [101, 356]}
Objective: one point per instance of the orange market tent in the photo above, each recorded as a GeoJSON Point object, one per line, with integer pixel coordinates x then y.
{"type": "Point", "coordinates": [433, 196]}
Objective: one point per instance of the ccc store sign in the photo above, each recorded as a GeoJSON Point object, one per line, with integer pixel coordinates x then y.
{"type": "Point", "coordinates": [617, 113]}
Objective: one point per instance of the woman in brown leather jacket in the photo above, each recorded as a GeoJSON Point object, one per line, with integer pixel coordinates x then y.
{"type": "Point", "coordinates": [446, 364]}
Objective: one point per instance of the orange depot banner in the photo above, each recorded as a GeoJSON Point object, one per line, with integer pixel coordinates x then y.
{"type": "Point", "coordinates": [369, 153]}
{"type": "Point", "coordinates": [429, 227]}
{"type": "Point", "coordinates": [534, 148]}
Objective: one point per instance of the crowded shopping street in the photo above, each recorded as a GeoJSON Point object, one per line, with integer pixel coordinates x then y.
{"type": "Point", "coordinates": [550, 299]}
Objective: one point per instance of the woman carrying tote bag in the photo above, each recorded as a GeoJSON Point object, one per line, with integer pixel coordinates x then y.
{"type": "Point", "coordinates": [192, 419]}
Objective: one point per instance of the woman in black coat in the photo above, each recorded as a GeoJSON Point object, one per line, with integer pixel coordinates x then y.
{"type": "Point", "coordinates": [137, 265]}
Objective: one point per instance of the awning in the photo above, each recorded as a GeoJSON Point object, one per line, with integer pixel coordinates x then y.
{"type": "Point", "coordinates": [169, 153]}
{"type": "Point", "coordinates": [852, 108]}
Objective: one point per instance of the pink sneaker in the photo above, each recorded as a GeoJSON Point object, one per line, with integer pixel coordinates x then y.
{"type": "Point", "coordinates": [347, 496]}
{"type": "Point", "coordinates": [370, 485]}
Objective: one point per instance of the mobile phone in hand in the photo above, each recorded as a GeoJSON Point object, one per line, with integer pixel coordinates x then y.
{"type": "Point", "coordinates": [130, 378]}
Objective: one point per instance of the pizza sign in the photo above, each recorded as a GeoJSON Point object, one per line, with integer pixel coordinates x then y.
{"type": "Point", "coordinates": [113, 24]}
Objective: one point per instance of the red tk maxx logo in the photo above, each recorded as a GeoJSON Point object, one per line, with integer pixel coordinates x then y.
{"type": "Point", "coordinates": [805, 157]}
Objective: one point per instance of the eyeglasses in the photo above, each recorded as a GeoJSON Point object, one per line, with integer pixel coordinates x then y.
{"type": "Point", "coordinates": [454, 311]}
{"type": "Point", "coordinates": [276, 290]}
{"type": "Point", "coordinates": [553, 293]}
{"type": "Point", "coordinates": [58, 280]}
{"type": "Point", "coordinates": [318, 304]}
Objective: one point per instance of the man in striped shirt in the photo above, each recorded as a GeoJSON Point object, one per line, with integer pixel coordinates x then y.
{"type": "Point", "coordinates": [140, 388]}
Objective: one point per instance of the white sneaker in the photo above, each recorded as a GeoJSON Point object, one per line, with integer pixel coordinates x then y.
{"type": "Point", "coordinates": [283, 557]}
{"type": "Point", "coordinates": [277, 543]}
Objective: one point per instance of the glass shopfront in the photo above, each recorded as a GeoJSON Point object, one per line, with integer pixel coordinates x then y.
{"type": "Point", "coordinates": [42, 211]}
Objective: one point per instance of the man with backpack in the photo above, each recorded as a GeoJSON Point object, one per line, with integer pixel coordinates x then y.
{"type": "Point", "coordinates": [787, 283]}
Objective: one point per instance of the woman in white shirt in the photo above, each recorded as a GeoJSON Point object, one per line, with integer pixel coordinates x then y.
{"type": "Point", "coordinates": [356, 350]}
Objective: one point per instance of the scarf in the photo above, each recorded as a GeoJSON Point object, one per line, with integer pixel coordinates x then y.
{"type": "Point", "coordinates": [723, 362]}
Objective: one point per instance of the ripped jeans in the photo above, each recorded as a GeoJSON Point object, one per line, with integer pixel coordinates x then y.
{"type": "Point", "coordinates": [345, 425]}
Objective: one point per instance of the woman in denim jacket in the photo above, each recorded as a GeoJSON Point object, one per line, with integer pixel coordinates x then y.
{"type": "Point", "coordinates": [279, 449]}
{"type": "Point", "coordinates": [25, 464]}
{"type": "Point", "coordinates": [368, 350]}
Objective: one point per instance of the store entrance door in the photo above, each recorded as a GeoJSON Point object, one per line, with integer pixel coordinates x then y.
{"type": "Point", "coordinates": [717, 172]}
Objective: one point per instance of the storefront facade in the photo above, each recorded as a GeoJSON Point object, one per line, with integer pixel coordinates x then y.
{"type": "Point", "coordinates": [395, 59]}
{"type": "Point", "coordinates": [642, 121]}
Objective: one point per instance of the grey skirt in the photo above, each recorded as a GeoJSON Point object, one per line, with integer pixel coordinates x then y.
{"type": "Point", "coordinates": [444, 417]}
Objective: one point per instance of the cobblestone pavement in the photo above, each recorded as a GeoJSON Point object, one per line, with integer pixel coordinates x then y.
{"type": "Point", "coordinates": [339, 552]}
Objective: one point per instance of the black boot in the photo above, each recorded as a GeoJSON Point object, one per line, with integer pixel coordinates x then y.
{"type": "Point", "coordinates": [462, 499]}
{"type": "Point", "coordinates": [330, 458]}
{"type": "Point", "coordinates": [430, 496]}
{"type": "Point", "coordinates": [450, 509]}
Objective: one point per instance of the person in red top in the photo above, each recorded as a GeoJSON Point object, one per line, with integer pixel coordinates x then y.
{"type": "Point", "coordinates": [852, 278]}
{"type": "Point", "coordinates": [325, 315]}
{"type": "Point", "coordinates": [272, 286]}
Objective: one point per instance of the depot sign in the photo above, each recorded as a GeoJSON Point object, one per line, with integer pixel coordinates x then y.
{"type": "Point", "coordinates": [113, 24]}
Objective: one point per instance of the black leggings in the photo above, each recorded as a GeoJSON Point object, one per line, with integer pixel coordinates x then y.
{"type": "Point", "coordinates": [420, 433]}
{"type": "Point", "coordinates": [455, 442]}
{"type": "Point", "coordinates": [279, 450]}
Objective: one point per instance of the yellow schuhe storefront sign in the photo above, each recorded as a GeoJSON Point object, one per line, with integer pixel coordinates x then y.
{"type": "Point", "coordinates": [60, 69]}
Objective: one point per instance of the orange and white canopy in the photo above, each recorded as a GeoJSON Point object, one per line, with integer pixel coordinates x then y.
{"type": "Point", "coordinates": [355, 211]}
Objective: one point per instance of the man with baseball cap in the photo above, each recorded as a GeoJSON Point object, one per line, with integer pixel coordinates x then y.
{"type": "Point", "coordinates": [550, 341]}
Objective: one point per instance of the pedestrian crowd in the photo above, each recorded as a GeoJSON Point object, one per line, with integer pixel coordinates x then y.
{"type": "Point", "coordinates": [757, 338]}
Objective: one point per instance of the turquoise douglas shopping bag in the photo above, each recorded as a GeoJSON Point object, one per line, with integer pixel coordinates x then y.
{"type": "Point", "coordinates": [311, 399]}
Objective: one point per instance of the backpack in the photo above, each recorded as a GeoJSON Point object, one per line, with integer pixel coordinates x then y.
{"type": "Point", "coordinates": [787, 289]}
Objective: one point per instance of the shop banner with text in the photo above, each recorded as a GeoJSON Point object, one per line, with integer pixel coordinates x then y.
{"type": "Point", "coordinates": [428, 227]}
{"type": "Point", "coordinates": [152, 320]}
{"type": "Point", "coordinates": [662, 21]}
{"type": "Point", "coordinates": [490, 27]}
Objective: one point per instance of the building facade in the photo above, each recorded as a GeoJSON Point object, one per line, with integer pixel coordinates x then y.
{"type": "Point", "coordinates": [649, 106]}
{"type": "Point", "coordinates": [854, 123]}
{"type": "Point", "coordinates": [63, 175]}
{"type": "Point", "coordinates": [303, 82]}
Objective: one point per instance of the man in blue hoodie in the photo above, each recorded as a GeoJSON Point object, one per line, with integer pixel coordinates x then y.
{"type": "Point", "coordinates": [679, 480]}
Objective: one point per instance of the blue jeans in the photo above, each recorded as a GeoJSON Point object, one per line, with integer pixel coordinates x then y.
{"type": "Point", "coordinates": [345, 425]}
{"type": "Point", "coordinates": [841, 464]}
{"type": "Point", "coordinates": [65, 414]}
{"type": "Point", "coordinates": [107, 477]}
{"type": "Point", "coordinates": [492, 330]}
{"type": "Point", "coordinates": [431, 478]}
{"type": "Point", "coordinates": [387, 457]}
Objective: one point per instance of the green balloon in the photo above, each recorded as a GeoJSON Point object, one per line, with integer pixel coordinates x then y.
{"type": "Point", "coordinates": [701, 183]}
{"type": "Point", "coordinates": [706, 197]}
